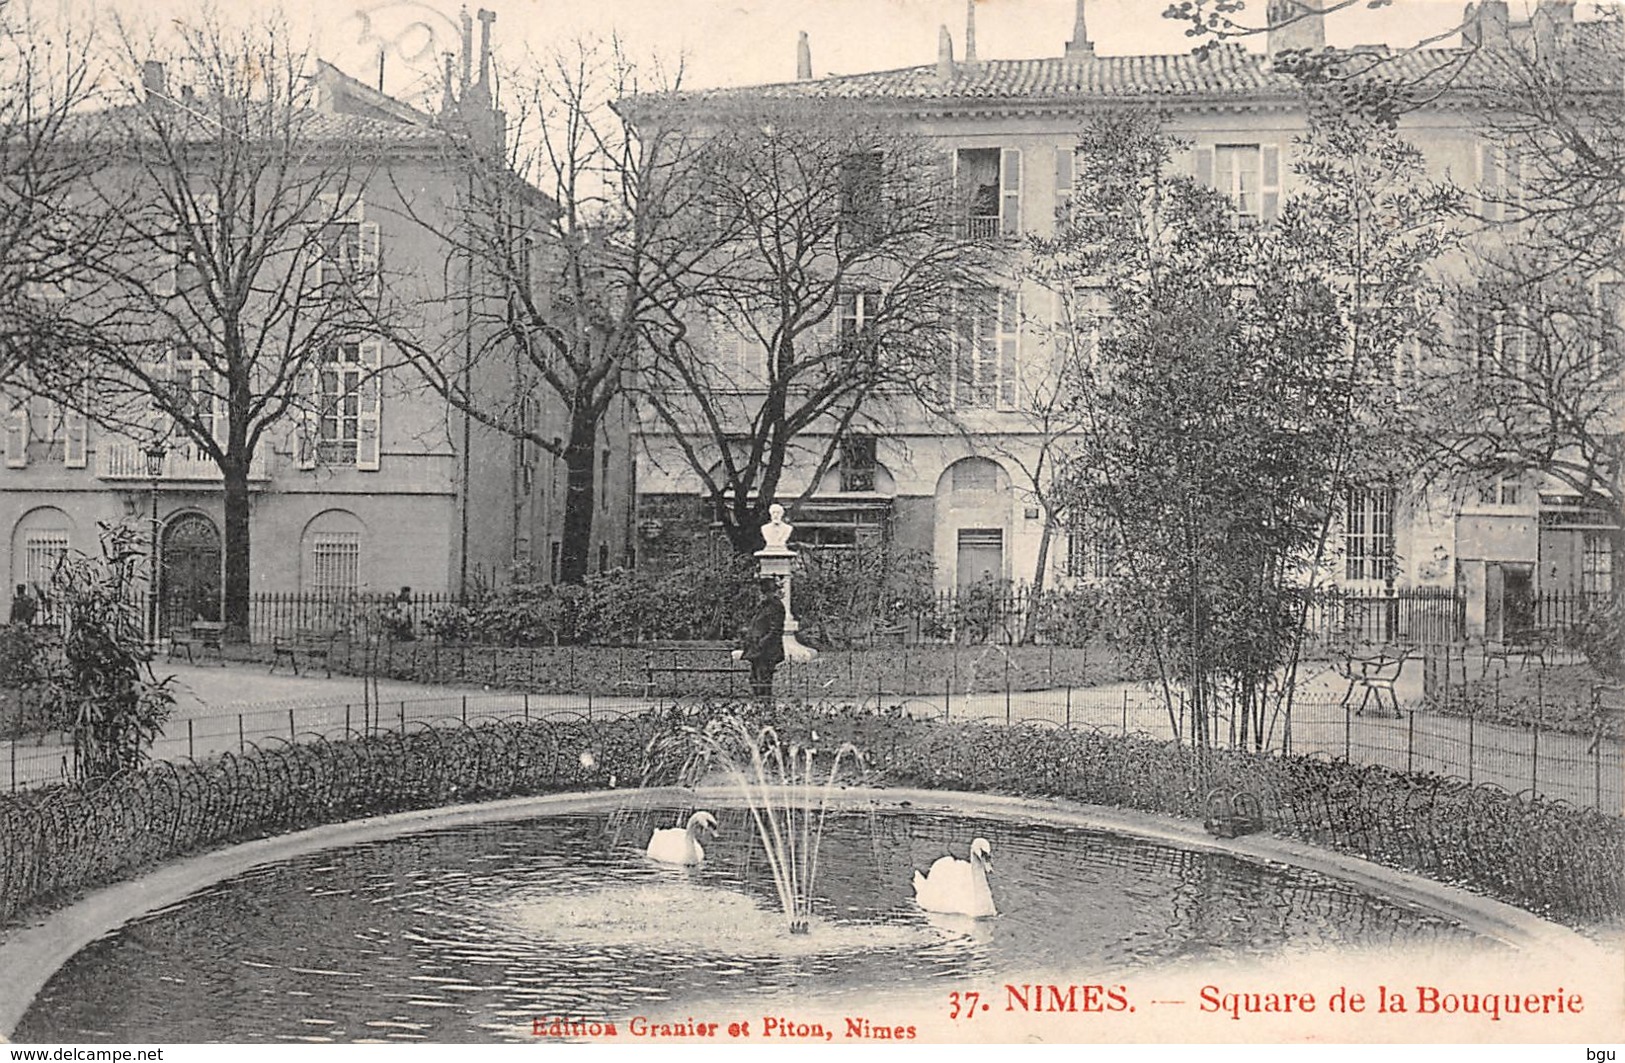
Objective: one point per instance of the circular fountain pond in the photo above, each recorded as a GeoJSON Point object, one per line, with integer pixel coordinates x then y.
{"type": "Point", "coordinates": [474, 933]}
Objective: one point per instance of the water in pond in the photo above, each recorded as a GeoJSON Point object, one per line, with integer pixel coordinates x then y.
{"type": "Point", "coordinates": [471, 934]}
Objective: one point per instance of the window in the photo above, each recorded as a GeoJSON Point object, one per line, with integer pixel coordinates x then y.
{"type": "Point", "coordinates": [1597, 563]}
{"type": "Point", "coordinates": [347, 247]}
{"type": "Point", "coordinates": [555, 560]}
{"type": "Point", "coordinates": [1089, 554]}
{"type": "Point", "coordinates": [1500, 182]}
{"type": "Point", "coordinates": [43, 551]}
{"type": "Point", "coordinates": [738, 357]}
{"type": "Point", "coordinates": [196, 397]}
{"type": "Point", "coordinates": [987, 350]}
{"type": "Point", "coordinates": [861, 186]}
{"type": "Point", "coordinates": [526, 449]}
{"type": "Point", "coordinates": [858, 313]}
{"type": "Point", "coordinates": [348, 398]}
{"type": "Point", "coordinates": [603, 482]}
{"type": "Point", "coordinates": [603, 557]}
{"type": "Point", "coordinates": [339, 403]}
{"type": "Point", "coordinates": [1249, 175]}
{"type": "Point", "coordinates": [1502, 491]}
{"type": "Point", "coordinates": [975, 474]}
{"type": "Point", "coordinates": [1368, 534]}
{"type": "Point", "coordinates": [987, 182]}
{"type": "Point", "coordinates": [335, 564]}
{"type": "Point", "coordinates": [857, 463]}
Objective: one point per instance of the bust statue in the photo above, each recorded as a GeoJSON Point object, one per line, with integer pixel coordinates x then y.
{"type": "Point", "coordinates": [776, 533]}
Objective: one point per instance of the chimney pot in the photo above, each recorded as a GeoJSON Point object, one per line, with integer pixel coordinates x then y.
{"type": "Point", "coordinates": [1079, 47]}
{"type": "Point", "coordinates": [803, 58]}
{"type": "Point", "coordinates": [154, 81]}
{"type": "Point", "coordinates": [486, 18]}
{"type": "Point", "coordinates": [1295, 26]}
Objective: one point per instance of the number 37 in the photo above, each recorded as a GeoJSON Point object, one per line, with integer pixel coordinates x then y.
{"type": "Point", "coordinates": [964, 1005]}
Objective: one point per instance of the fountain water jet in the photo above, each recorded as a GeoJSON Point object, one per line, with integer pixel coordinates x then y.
{"type": "Point", "coordinates": [786, 795]}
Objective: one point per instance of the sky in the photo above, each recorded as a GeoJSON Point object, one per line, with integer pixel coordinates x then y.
{"type": "Point", "coordinates": [733, 42]}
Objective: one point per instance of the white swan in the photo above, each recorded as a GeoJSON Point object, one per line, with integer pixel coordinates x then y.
{"type": "Point", "coordinates": [958, 887]}
{"type": "Point", "coordinates": [680, 845]}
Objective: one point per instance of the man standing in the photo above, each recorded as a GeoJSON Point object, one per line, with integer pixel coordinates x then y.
{"type": "Point", "coordinates": [23, 606]}
{"type": "Point", "coordinates": [762, 641]}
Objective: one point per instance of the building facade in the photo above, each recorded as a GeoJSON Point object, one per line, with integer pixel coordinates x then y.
{"type": "Point", "coordinates": [1009, 129]}
{"type": "Point", "coordinates": [373, 482]}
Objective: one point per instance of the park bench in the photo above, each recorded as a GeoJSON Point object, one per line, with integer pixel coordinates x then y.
{"type": "Point", "coordinates": [202, 635]}
{"type": "Point", "coordinates": [652, 669]}
{"type": "Point", "coordinates": [309, 644]}
{"type": "Point", "coordinates": [1524, 645]}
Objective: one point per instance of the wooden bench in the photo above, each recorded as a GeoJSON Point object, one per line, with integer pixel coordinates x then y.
{"type": "Point", "coordinates": [203, 635]}
{"type": "Point", "coordinates": [1523, 645]}
{"type": "Point", "coordinates": [311, 644]}
{"type": "Point", "coordinates": [651, 670]}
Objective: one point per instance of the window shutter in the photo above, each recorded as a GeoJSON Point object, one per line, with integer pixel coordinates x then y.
{"type": "Point", "coordinates": [1010, 192]}
{"type": "Point", "coordinates": [1204, 166]}
{"type": "Point", "coordinates": [309, 423]}
{"type": "Point", "coordinates": [169, 267]}
{"type": "Point", "coordinates": [17, 437]}
{"type": "Point", "coordinates": [369, 408]}
{"type": "Point", "coordinates": [75, 439]}
{"type": "Point", "coordinates": [1270, 182]}
{"type": "Point", "coordinates": [222, 433]}
{"type": "Point", "coordinates": [370, 280]}
{"type": "Point", "coordinates": [1065, 156]}
{"type": "Point", "coordinates": [1489, 182]}
{"type": "Point", "coordinates": [1009, 348]}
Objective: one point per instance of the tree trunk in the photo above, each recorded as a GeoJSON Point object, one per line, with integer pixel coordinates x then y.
{"type": "Point", "coordinates": [579, 496]}
{"type": "Point", "coordinates": [1030, 622]}
{"type": "Point", "coordinates": [237, 549]}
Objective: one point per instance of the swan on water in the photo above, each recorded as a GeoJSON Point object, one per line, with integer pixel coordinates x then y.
{"type": "Point", "coordinates": [681, 845]}
{"type": "Point", "coordinates": [958, 887]}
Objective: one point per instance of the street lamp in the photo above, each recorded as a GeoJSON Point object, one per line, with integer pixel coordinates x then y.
{"type": "Point", "coordinates": [155, 472]}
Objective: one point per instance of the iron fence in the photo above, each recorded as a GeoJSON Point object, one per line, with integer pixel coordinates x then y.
{"type": "Point", "coordinates": [287, 769]}
{"type": "Point", "coordinates": [1581, 769]}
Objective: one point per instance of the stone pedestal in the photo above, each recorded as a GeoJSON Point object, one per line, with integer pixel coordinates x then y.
{"type": "Point", "coordinates": [776, 560]}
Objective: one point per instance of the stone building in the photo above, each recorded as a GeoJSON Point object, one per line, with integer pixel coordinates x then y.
{"type": "Point", "coordinates": [1009, 128]}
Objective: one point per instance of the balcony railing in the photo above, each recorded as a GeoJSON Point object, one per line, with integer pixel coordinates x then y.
{"type": "Point", "coordinates": [979, 227]}
{"type": "Point", "coordinates": [128, 461]}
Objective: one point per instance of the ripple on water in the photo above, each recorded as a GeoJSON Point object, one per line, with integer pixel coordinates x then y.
{"type": "Point", "coordinates": [694, 918]}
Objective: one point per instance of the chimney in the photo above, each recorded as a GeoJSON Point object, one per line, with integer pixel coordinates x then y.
{"type": "Point", "coordinates": [449, 100]}
{"type": "Point", "coordinates": [1553, 21]}
{"type": "Point", "coordinates": [1486, 26]}
{"type": "Point", "coordinates": [486, 18]}
{"type": "Point", "coordinates": [970, 31]}
{"type": "Point", "coordinates": [1079, 47]}
{"type": "Point", "coordinates": [803, 58]}
{"type": "Point", "coordinates": [468, 47]}
{"type": "Point", "coordinates": [154, 81]}
{"type": "Point", "coordinates": [1295, 26]}
{"type": "Point", "coordinates": [945, 54]}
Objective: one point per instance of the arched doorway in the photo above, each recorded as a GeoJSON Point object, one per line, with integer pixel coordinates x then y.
{"type": "Point", "coordinates": [189, 579]}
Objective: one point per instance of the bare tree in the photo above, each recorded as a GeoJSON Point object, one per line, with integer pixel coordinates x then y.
{"type": "Point", "coordinates": [223, 266]}
{"type": "Point", "coordinates": [567, 239]}
{"type": "Point", "coordinates": [47, 77]}
{"type": "Point", "coordinates": [833, 298]}
{"type": "Point", "coordinates": [1527, 388]}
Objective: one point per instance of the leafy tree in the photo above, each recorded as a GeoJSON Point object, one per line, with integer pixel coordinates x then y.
{"type": "Point", "coordinates": [1239, 383]}
{"type": "Point", "coordinates": [100, 674]}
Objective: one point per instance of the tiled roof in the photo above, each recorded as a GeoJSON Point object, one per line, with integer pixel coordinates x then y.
{"type": "Point", "coordinates": [123, 122]}
{"type": "Point", "coordinates": [1227, 70]}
